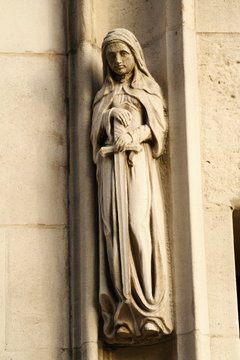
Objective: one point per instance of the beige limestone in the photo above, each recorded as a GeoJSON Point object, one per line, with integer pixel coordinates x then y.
{"type": "Point", "coordinates": [35, 300]}
{"type": "Point", "coordinates": [85, 73]}
{"type": "Point", "coordinates": [127, 145]}
{"type": "Point", "coordinates": [217, 16]}
{"type": "Point", "coordinates": [225, 348]}
{"type": "Point", "coordinates": [131, 15]}
{"type": "Point", "coordinates": [32, 181]}
{"type": "Point", "coordinates": [179, 110]}
{"type": "Point", "coordinates": [39, 354]}
{"type": "Point", "coordinates": [34, 286]}
{"type": "Point", "coordinates": [33, 140]}
{"type": "Point", "coordinates": [218, 71]}
{"type": "Point", "coordinates": [219, 67]}
{"type": "Point", "coordinates": [82, 194]}
{"type": "Point", "coordinates": [3, 290]}
{"type": "Point", "coordinates": [32, 26]}
{"type": "Point", "coordinates": [221, 273]}
{"type": "Point", "coordinates": [189, 269]}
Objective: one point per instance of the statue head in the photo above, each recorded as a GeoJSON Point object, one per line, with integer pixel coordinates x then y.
{"type": "Point", "coordinates": [120, 58]}
{"type": "Point", "coordinates": [121, 53]}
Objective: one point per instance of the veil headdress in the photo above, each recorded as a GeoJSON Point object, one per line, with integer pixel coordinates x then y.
{"type": "Point", "coordinates": [142, 78]}
{"type": "Point", "coordinates": [143, 87]}
{"type": "Point", "coordinates": [131, 41]}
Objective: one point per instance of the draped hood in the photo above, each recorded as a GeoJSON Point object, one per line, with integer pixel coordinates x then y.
{"type": "Point", "coordinates": [142, 86]}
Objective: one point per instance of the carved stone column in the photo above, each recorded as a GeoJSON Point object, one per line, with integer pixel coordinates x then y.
{"type": "Point", "coordinates": [83, 205]}
{"type": "Point", "coordinates": [191, 306]}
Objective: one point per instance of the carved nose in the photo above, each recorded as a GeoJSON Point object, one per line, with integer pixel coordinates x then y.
{"type": "Point", "coordinates": [118, 59]}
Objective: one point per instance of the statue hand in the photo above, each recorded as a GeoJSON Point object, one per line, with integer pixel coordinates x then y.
{"type": "Point", "coordinates": [122, 115]}
{"type": "Point", "coordinates": [121, 141]}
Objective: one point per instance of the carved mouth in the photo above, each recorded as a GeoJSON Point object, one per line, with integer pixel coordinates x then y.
{"type": "Point", "coordinates": [120, 67]}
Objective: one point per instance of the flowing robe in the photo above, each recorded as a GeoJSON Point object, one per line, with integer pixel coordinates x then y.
{"type": "Point", "coordinates": [134, 280]}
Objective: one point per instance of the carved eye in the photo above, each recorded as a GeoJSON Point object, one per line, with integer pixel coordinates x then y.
{"type": "Point", "coordinates": [123, 53]}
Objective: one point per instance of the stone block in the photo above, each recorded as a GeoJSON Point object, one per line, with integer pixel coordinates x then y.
{"type": "Point", "coordinates": [218, 69]}
{"type": "Point", "coordinates": [37, 294]}
{"type": "Point", "coordinates": [32, 140]}
{"type": "Point", "coordinates": [37, 354]}
{"type": "Point", "coordinates": [224, 348]}
{"type": "Point", "coordinates": [193, 345]}
{"type": "Point", "coordinates": [222, 296]}
{"type": "Point", "coordinates": [132, 16]}
{"type": "Point", "coordinates": [32, 26]}
{"type": "Point", "coordinates": [2, 290]}
{"type": "Point", "coordinates": [217, 15]}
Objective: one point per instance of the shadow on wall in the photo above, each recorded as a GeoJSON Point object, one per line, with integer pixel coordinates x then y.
{"type": "Point", "coordinates": [146, 19]}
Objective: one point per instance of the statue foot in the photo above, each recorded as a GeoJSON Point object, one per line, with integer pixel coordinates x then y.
{"type": "Point", "coordinates": [150, 329]}
{"type": "Point", "coordinates": [123, 332]}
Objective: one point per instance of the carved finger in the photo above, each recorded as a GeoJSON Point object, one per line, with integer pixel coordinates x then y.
{"type": "Point", "coordinates": [121, 119]}
{"type": "Point", "coordinates": [129, 118]}
{"type": "Point", "coordinates": [124, 119]}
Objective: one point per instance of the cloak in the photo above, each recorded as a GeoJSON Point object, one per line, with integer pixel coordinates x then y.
{"type": "Point", "coordinates": [138, 189]}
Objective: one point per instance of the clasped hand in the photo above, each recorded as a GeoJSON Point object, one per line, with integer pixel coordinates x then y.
{"type": "Point", "coordinates": [122, 141]}
{"type": "Point", "coordinates": [122, 115]}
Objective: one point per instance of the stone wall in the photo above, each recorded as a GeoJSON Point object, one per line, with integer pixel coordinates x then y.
{"type": "Point", "coordinates": [34, 254]}
{"type": "Point", "coordinates": [218, 37]}
{"type": "Point", "coordinates": [33, 218]}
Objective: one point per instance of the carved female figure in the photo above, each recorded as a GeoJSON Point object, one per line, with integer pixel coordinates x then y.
{"type": "Point", "coordinates": [128, 133]}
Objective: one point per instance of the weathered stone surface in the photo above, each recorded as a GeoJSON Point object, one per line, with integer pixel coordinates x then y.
{"type": "Point", "coordinates": [3, 290]}
{"type": "Point", "coordinates": [221, 273]}
{"type": "Point", "coordinates": [34, 289]}
{"type": "Point", "coordinates": [37, 354]}
{"type": "Point", "coordinates": [36, 297]}
{"type": "Point", "coordinates": [225, 348]}
{"type": "Point", "coordinates": [219, 67]}
{"type": "Point", "coordinates": [33, 305]}
{"type": "Point", "coordinates": [32, 26]}
{"type": "Point", "coordinates": [122, 14]}
{"type": "Point", "coordinates": [132, 16]}
{"type": "Point", "coordinates": [135, 303]}
{"type": "Point", "coordinates": [33, 140]}
{"type": "Point", "coordinates": [190, 291]}
{"type": "Point", "coordinates": [218, 15]}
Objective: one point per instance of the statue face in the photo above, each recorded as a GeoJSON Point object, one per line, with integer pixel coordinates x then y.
{"type": "Point", "coordinates": [120, 58]}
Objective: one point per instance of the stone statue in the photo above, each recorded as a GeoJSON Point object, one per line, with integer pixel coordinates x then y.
{"type": "Point", "coordinates": [128, 133]}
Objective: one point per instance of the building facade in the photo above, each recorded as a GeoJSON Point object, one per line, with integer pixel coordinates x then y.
{"type": "Point", "coordinates": [51, 69]}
